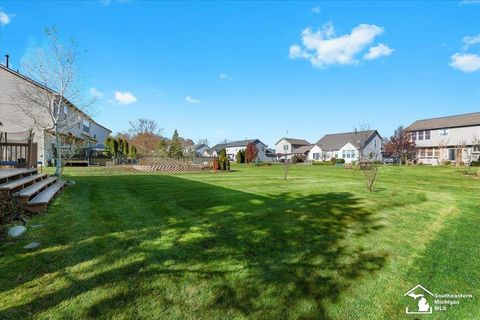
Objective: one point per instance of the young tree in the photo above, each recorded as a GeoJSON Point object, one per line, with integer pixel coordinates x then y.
{"type": "Point", "coordinates": [360, 138]}
{"type": "Point", "coordinates": [239, 157]}
{"type": "Point", "coordinates": [163, 148]}
{"type": "Point", "coordinates": [175, 150]}
{"type": "Point", "coordinates": [132, 153]}
{"type": "Point", "coordinates": [224, 163]}
{"type": "Point", "coordinates": [251, 153]}
{"type": "Point", "coordinates": [400, 145]}
{"type": "Point", "coordinates": [56, 104]}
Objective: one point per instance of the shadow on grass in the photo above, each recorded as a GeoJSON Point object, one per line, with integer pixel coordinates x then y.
{"type": "Point", "coordinates": [260, 257]}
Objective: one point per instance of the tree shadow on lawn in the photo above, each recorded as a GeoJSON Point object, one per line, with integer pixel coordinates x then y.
{"type": "Point", "coordinates": [260, 256]}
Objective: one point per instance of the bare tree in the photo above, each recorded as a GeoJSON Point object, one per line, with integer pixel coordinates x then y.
{"type": "Point", "coordinates": [472, 153]}
{"type": "Point", "coordinates": [143, 126]}
{"type": "Point", "coordinates": [54, 103]}
{"type": "Point", "coordinates": [286, 166]}
{"type": "Point", "coordinates": [203, 141]}
{"type": "Point", "coordinates": [223, 141]}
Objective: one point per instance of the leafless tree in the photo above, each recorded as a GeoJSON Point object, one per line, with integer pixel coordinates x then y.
{"type": "Point", "coordinates": [223, 141]}
{"type": "Point", "coordinates": [55, 102]}
{"type": "Point", "coordinates": [144, 126]}
{"type": "Point", "coordinates": [203, 141]}
{"type": "Point", "coordinates": [472, 153]}
{"type": "Point", "coordinates": [286, 166]}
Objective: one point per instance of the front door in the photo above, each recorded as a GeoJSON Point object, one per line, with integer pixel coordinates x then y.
{"type": "Point", "coordinates": [451, 154]}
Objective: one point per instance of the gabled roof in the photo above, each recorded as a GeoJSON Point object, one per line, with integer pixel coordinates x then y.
{"type": "Point", "coordinates": [38, 84]}
{"type": "Point", "coordinates": [196, 146]}
{"type": "Point", "coordinates": [461, 120]}
{"type": "Point", "coordinates": [302, 149]}
{"type": "Point", "coordinates": [233, 144]}
{"type": "Point", "coordinates": [337, 140]}
{"type": "Point", "coordinates": [299, 142]}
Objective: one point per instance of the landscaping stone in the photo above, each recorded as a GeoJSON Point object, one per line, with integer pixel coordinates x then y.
{"type": "Point", "coordinates": [16, 231]}
{"type": "Point", "coordinates": [32, 245]}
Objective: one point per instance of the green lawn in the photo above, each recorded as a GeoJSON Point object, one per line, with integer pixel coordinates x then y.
{"type": "Point", "coordinates": [247, 244]}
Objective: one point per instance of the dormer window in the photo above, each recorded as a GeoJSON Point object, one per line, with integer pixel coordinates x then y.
{"type": "Point", "coordinates": [443, 132]}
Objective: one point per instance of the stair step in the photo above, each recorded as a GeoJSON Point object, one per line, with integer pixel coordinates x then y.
{"type": "Point", "coordinates": [46, 195]}
{"type": "Point", "coordinates": [36, 187]}
{"type": "Point", "coordinates": [14, 184]}
{"type": "Point", "coordinates": [6, 174]}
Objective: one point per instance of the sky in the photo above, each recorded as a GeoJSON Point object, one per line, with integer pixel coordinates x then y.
{"type": "Point", "coordinates": [236, 70]}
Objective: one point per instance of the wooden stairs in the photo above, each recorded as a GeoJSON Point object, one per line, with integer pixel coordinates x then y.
{"type": "Point", "coordinates": [33, 190]}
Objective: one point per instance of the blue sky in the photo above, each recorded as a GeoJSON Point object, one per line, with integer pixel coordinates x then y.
{"type": "Point", "coordinates": [256, 69]}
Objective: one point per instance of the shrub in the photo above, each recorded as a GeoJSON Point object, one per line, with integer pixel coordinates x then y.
{"type": "Point", "coordinates": [475, 163]}
{"type": "Point", "coordinates": [298, 159]}
{"type": "Point", "coordinates": [333, 160]}
{"type": "Point", "coordinates": [322, 163]}
{"type": "Point", "coordinates": [339, 161]}
{"type": "Point", "coordinates": [240, 157]}
{"type": "Point", "coordinates": [447, 162]}
{"type": "Point", "coordinates": [9, 209]}
{"type": "Point", "coordinates": [215, 164]}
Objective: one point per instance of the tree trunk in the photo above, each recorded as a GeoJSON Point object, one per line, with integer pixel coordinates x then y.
{"type": "Point", "coordinates": [58, 160]}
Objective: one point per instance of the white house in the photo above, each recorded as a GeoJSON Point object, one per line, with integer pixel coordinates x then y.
{"type": "Point", "coordinates": [12, 119]}
{"type": "Point", "coordinates": [347, 146]}
{"type": "Point", "coordinates": [233, 147]}
{"type": "Point", "coordinates": [453, 138]}
{"type": "Point", "coordinates": [288, 147]}
{"type": "Point", "coordinates": [199, 150]}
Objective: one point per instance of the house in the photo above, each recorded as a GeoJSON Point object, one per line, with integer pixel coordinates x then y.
{"type": "Point", "coordinates": [451, 138]}
{"type": "Point", "coordinates": [347, 146]}
{"type": "Point", "coordinates": [198, 150]}
{"type": "Point", "coordinates": [288, 147]}
{"type": "Point", "coordinates": [233, 147]}
{"type": "Point", "coordinates": [12, 119]}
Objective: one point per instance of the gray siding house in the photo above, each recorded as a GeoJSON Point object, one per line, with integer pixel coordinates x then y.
{"type": "Point", "coordinates": [452, 138]}
{"type": "Point", "coordinates": [347, 146]}
{"type": "Point", "coordinates": [288, 147]}
{"type": "Point", "coordinates": [12, 119]}
{"type": "Point", "coordinates": [233, 147]}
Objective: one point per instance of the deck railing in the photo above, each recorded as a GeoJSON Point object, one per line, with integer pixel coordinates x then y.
{"type": "Point", "coordinates": [18, 154]}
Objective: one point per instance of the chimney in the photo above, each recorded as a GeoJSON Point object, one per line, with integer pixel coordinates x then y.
{"type": "Point", "coordinates": [6, 60]}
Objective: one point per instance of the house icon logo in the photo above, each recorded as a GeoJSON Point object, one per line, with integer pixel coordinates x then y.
{"type": "Point", "coordinates": [420, 295]}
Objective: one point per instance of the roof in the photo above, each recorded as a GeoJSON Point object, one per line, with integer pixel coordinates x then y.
{"type": "Point", "coordinates": [461, 120]}
{"type": "Point", "coordinates": [337, 140]}
{"type": "Point", "coordinates": [233, 144]}
{"type": "Point", "coordinates": [299, 142]}
{"type": "Point", "coordinates": [196, 146]}
{"type": "Point", "coordinates": [302, 149]}
{"type": "Point", "coordinates": [38, 84]}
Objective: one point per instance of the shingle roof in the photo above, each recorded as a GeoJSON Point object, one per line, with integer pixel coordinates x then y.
{"type": "Point", "coordinates": [337, 140]}
{"type": "Point", "coordinates": [461, 120]}
{"type": "Point", "coordinates": [233, 144]}
{"type": "Point", "coordinates": [302, 149]}
{"type": "Point", "coordinates": [299, 142]}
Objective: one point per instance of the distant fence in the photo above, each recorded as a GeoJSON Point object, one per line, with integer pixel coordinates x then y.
{"type": "Point", "coordinates": [161, 161]}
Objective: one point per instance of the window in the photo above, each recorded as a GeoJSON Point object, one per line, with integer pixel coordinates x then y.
{"type": "Point", "coordinates": [443, 132]}
{"type": "Point", "coordinates": [423, 153]}
{"type": "Point", "coordinates": [335, 154]}
{"type": "Point", "coordinates": [344, 154]}
{"type": "Point", "coordinates": [429, 153]}
{"type": "Point", "coordinates": [86, 126]}
{"type": "Point", "coordinates": [316, 156]}
{"type": "Point", "coordinates": [427, 134]}
{"type": "Point", "coordinates": [285, 147]}
{"type": "Point", "coordinates": [420, 135]}
{"type": "Point", "coordinates": [414, 135]}
{"type": "Point", "coordinates": [476, 148]}
{"type": "Point", "coordinates": [437, 153]}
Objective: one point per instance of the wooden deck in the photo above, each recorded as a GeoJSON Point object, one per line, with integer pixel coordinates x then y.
{"type": "Point", "coordinates": [33, 190]}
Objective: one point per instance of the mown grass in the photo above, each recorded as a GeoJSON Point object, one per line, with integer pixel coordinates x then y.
{"type": "Point", "coordinates": [247, 245]}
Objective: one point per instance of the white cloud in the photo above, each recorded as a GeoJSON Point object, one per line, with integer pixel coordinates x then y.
{"type": "Point", "coordinates": [323, 48]}
{"type": "Point", "coordinates": [105, 3]}
{"type": "Point", "coordinates": [316, 10]}
{"type": "Point", "coordinates": [377, 52]}
{"type": "Point", "coordinates": [225, 76]}
{"type": "Point", "coordinates": [191, 100]}
{"type": "Point", "coordinates": [124, 97]}
{"type": "Point", "coordinates": [4, 18]}
{"type": "Point", "coordinates": [95, 93]}
{"type": "Point", "coordinates": [465, 62]}
{"type": "Point", "coordinates": [470, 41]}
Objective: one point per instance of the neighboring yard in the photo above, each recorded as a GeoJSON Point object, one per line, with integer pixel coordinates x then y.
{"type": "Point", "coordinates": [246, 244]}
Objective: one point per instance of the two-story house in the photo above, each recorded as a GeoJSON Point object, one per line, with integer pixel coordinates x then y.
{"type": "Point", "coordinates": [289, 147]}
{"type": "Point", "coordinates": [451, 138]}
{"type": "Point", "coordinates": [347, 146]}
{"type": "Point", "coordinates": [14, 117]}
